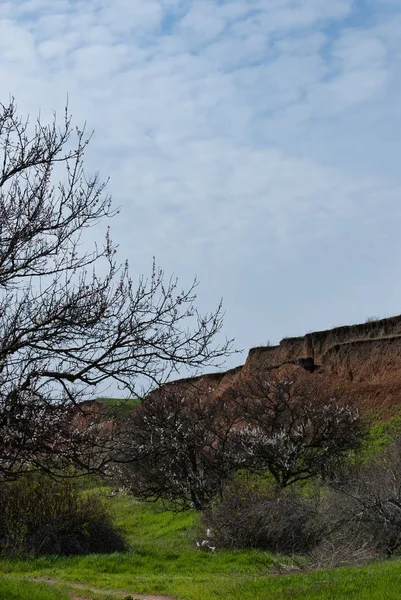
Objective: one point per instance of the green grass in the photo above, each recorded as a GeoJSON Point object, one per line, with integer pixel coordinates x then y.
{"type": "Point", "coordinates": [119, 408]}
{"type": "Point", "coordinates": [13, 589]}
{"type": "Point", "coordinates": [164, 560]}
{"type": "Point", "coordinates": [381, 433]}
{"type": "Point", "coordinates": [215, 577]}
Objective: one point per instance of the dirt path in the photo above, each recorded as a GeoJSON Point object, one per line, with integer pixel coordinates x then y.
{"type": "Point", "coordinates": [116, 593]}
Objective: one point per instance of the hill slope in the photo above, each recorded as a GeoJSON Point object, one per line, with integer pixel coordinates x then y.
{"type": "Point", "coordinates": [363, 360]}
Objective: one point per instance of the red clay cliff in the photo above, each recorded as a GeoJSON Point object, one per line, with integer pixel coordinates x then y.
{"type": "Point", "coordinates": [362, 360]}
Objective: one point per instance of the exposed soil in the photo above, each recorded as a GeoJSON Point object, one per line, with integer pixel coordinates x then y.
{"type": "Point", "coordinates": [363, 361]}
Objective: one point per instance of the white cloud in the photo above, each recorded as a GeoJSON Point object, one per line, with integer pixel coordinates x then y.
{"type": "Point", "coordinates": [129, 17]}
{"type": "Point", "coordinates": [219, 122]}
{"type": "Point", "coordinates": [356, 49]}
{"type": "Point", "coordinates": [16, 44]}
{"type": "Point", "coordinates": [201, 25]}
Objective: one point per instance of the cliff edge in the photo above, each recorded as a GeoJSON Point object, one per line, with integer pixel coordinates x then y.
{"type": "Point", "coordinates": [363, 360]}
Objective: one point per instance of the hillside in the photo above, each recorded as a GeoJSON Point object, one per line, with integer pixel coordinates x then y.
{"type": "Point", "coordinates": [363, 360]}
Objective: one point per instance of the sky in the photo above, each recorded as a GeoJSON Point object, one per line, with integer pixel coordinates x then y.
{"type": "Point", "coordinates": [254, 144]}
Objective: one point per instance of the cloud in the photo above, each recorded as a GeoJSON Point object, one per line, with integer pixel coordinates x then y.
{"type": "Point", "coordinates": [237, 134]}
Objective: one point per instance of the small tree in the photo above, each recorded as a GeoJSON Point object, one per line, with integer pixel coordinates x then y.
{"type": "Point", "coordinates": [177, 446]}
{"type": "Point", "coordinates": [294, 426]}
{"type": "Point", "coordinates": [70, 317]}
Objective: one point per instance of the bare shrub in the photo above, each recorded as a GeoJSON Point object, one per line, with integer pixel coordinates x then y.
{"type": "Point", "coordinates": [351, 519]}
{"type": "Point", "coordinates": [366, 502]}
{"type": "Point", "coordinates": [39, 515]}
{"type": "Point", "coordinates": [345, 539]}
{"type": "Point", "coordinates": [253, 513]}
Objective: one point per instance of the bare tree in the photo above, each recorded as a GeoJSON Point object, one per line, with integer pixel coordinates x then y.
{"type": "Point", "coordinates": [294, 426]}
{"type": "Point", "coordinates": [177, 446]}
{"type": "Point", "coordinates": [71, 318]}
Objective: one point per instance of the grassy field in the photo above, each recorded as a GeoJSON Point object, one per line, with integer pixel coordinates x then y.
{"type": "Point", "coordinates": [164, 560]}
{"type": "Point", "coordinates": [119, 408]}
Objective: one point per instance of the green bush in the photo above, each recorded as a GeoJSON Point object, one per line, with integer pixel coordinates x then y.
{"type": "Point", "coordinates": [40, 515]}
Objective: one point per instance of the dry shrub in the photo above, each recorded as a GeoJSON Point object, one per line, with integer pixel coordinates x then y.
{"type": "Point", "coordinates": [255, 514]}
{"type": "Point", "coordinates": [39, 515]}
{"type": "Point", "coordinates": [345, 538]}
{"type": "Point", "coordinates": [362, 511]}
{"type": "Point", "coordinates": [355, 518]}
{"type": "Point", "coordinates": [351, 519]}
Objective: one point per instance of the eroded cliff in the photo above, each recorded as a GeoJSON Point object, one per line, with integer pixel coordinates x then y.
{"type": "Point", "coordinates": [364, 360]}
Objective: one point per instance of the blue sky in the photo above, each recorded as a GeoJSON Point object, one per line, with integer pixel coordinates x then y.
{"type": "Point", "coordinates": [255, 144]}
